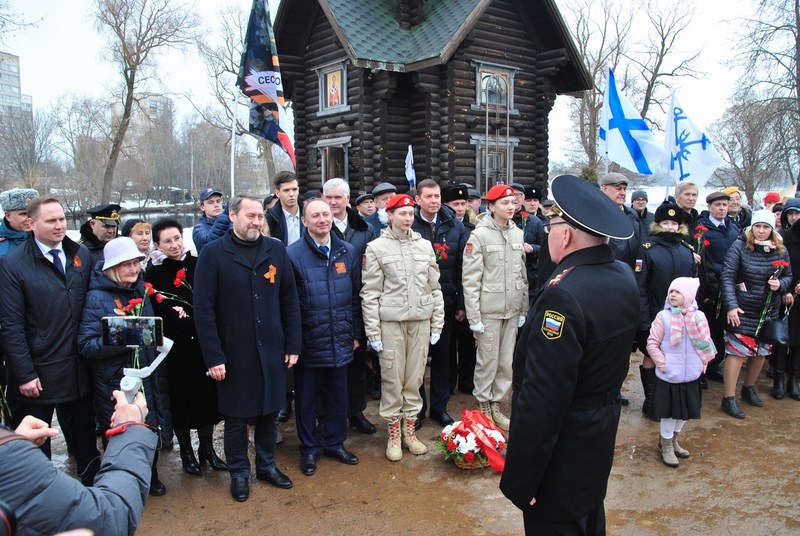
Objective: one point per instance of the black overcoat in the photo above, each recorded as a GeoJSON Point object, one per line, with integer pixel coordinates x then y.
{"type": "Point", "coordinates": [247, 317]}
{"type": "Point", "coordinates": [569, 365]}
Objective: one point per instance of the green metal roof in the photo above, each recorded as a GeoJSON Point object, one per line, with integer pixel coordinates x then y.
{"type": "Point", "coordinates": [371, 31]}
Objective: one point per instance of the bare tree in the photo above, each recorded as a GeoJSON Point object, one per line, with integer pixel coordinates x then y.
{"type": "Point", "coordinates": [747, 136]}
{"type": "Point", "coordinates": [772, 56]}
{"type": "Point", "coordinates": [26, 144]}
{"type": "Point", "coordinates": [10, 21]}
{"type": "Point", "coordinates": [603, 35]}
{"type": "Point", "coordinates": [138, 30]}
{"type": "Point", "coordinates": [660, 58]}
{"type": "Point", "coordinates": [84, 140]}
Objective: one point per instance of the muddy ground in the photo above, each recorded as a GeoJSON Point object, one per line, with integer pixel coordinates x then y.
{"type": "Point", "coordinates": [742, 478]}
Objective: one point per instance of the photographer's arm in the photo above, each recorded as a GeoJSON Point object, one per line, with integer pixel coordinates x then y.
{"type": "Point", "coordinates": [47, 500]}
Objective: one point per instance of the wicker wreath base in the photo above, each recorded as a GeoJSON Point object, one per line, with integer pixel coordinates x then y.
{"type": "Point", "coordinates": [475, 464]}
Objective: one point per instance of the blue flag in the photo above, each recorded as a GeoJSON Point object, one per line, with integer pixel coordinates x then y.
{"type": "Point", "coordinates": [260, 79]}
{"type": "Point", "coordinates": [624, 136]}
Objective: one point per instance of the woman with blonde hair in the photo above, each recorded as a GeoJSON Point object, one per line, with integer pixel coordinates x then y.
{"type": "Point", "coordinates": [756, 275]}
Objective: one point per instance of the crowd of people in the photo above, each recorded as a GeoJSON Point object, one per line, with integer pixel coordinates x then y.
{"type": "Point", "coordinates": [311, 304]}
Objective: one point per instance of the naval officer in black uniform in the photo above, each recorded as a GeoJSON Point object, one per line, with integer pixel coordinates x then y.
{"type": "Point", "coordinates": [569, 365]}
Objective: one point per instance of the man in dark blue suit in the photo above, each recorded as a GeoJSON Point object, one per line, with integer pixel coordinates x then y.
{"type": "Point", "coordinates": [328, 274]}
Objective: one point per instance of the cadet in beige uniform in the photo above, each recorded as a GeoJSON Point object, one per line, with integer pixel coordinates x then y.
{"type": "Point", "coordinates": [403, 313]}
{"type": "Point", "coordinates": [495, 298]}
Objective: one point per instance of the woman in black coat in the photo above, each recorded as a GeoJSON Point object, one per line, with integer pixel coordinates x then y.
{"type": "Point", "coordinates": [754, 266]}
{"type": "Point", "coordinates": [192, 394]}
{"type": "Point", "coordinates": [790, 231]}
{"type": "Point", "coordinates": [117, 290]}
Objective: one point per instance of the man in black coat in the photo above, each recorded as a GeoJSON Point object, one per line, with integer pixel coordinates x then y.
{"type": "Point", "coordinates": [247, 317]}
{"type": "Point", "coordinates": [352, 228]}
{"type": "Point", "coordinates": [101, 229]}
{"type": "Point", "coordinates": [442, 229]}
{"type": "Point", "coordinates": [43, 285]}
{"type": "Point", "coordinates": [570, 362]}
{"type": "Point", "coordinates": [615, 186]}
{"type": "Point", "coordinates": [716, 232]}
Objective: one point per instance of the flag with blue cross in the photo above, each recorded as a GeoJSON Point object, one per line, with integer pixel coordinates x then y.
{"type": "Point", "coordinates": [692, 156]}
{"type": "Point", "coordinates": [625, 138]}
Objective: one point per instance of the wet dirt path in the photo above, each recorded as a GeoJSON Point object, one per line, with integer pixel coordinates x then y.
{"type": "Point", "coordinates": [742, 478]}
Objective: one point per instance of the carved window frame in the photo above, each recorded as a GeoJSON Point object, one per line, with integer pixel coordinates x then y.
{"type": "Point", "coordinates": [484, 70]}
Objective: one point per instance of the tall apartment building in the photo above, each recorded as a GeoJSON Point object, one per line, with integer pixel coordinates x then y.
{"type": "Point", "coordinates": [11, 98]}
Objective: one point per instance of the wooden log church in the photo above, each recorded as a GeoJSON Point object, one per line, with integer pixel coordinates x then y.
{"type": "Point", "coordinates": [468, 84]}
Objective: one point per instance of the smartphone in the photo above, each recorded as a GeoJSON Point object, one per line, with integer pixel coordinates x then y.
{"type": "Point", "coordinates": [133, 331]}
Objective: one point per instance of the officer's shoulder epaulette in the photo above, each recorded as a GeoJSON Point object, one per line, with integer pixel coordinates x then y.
{"type": "Point", "coordinates": [557, 279]}
{"type": "Point", "coordinates": [688, 245]}
{"type": "Point", "coordinates": [647, 245]}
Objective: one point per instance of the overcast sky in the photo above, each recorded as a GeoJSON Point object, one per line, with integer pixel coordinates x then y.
{"type": "Point", "coordinates": [63, 54]}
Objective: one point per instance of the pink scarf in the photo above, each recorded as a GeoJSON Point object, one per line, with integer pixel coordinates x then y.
{"type": "Point", "coordinates": [697, 330]}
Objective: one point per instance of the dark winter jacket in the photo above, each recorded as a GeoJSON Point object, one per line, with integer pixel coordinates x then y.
{"type": "Point", "coordinates": [450, 232]}
{"type": "Point", "coordinates": [358, 233]}
{"type": "Point", "coordinates": [10, 238]}
{"type": "Point", "coordinates": [106, 362]}
{"type": "Point", "coordinates": [752, 269]}
{"type": "Point", "coordinates": [713, 256]}
{"type": "Point", "coordinates": [46, 500]}
{"type": "Point", "coordinates": [374, 221]}
{"type": "Point", "coordinates": [330, 305]}
{"type": "Point", "coordinates": [627, 250]}
{"type": "Point", "coordinates": [533, 234]}
{"type": "Point", "coordinates": [39, 320]}
{"type": "Point", "coordinates": [92, 243]}
{"type": "Point", "coordinates": [791, 241]}
{"type": "Point", "coordinates": [277, 223]}
{"type": "Point", "coordinates": [247, 316]}
{"type": "Point", "coordinates": [743, 217]}
{"type": "Point", "coordinates": [208, 230]}
{"type": "Point", "coordinates": [645, 219]}
{"type": "Point", "coordinates": [663, 257]}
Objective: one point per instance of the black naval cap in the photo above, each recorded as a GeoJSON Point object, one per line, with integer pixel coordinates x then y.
{"type": "Point", "coordinates": [455, 192]}
{"type": "Point", "coordinates": [586, 207]}
{"type": "Point", "coordinates": [108, 214]}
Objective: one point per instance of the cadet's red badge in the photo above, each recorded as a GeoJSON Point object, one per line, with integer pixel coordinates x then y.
{"type": "Point", "coordinates": [271, 274]}
{"type": "Point", "coordinates": [468, 248]}
{"type": "Point", "coordinates": [552, 324]}
{"type": "Point", "coordinates": [76, 261]}
{"type": "Point", "coordinates": [340, 268]}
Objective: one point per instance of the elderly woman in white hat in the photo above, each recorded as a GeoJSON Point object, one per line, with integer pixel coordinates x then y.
{"type": "Point", "coordinates": [117, 290]}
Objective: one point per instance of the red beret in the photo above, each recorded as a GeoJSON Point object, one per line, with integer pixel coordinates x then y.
{"type": "Point", "coordinates": [399, 200]}
{"type": "Point", "coordinates": [499, 190]}
{"type": "Point", "coordinates": [772, 197]}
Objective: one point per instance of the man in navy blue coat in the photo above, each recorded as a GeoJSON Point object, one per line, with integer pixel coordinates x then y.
{"type": "Point", "coordinates": [248, 321]}
{"type": "Point", "coordinates": [328, 275]}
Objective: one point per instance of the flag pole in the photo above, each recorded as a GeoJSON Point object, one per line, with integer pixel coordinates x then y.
{"type": "Point", "coordinates": [233, 141]}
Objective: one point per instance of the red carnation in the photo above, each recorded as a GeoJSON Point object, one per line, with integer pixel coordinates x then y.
{"type": "Point", "coordinates": [181, 275]}
{"type": "Point", "coordinates": [177, 283]}
{"type": "Point", "coordinates": [159, 298]}
{"type": "Point", "coordinates": [706, 243]}
{"type": "Point", "coordinates": [148, 289]}
{"type": "Point", "coordinates": [451, 446]}
{"type": "Point", "coordinates": [469, 457]}
{"type": "Point", "coordinates": [523, 214]}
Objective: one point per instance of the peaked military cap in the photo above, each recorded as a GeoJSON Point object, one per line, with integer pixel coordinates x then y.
{"type": "Point", "coordinates": [108, 214]}
{"type": "Point", "coordinates": [584, 206]}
